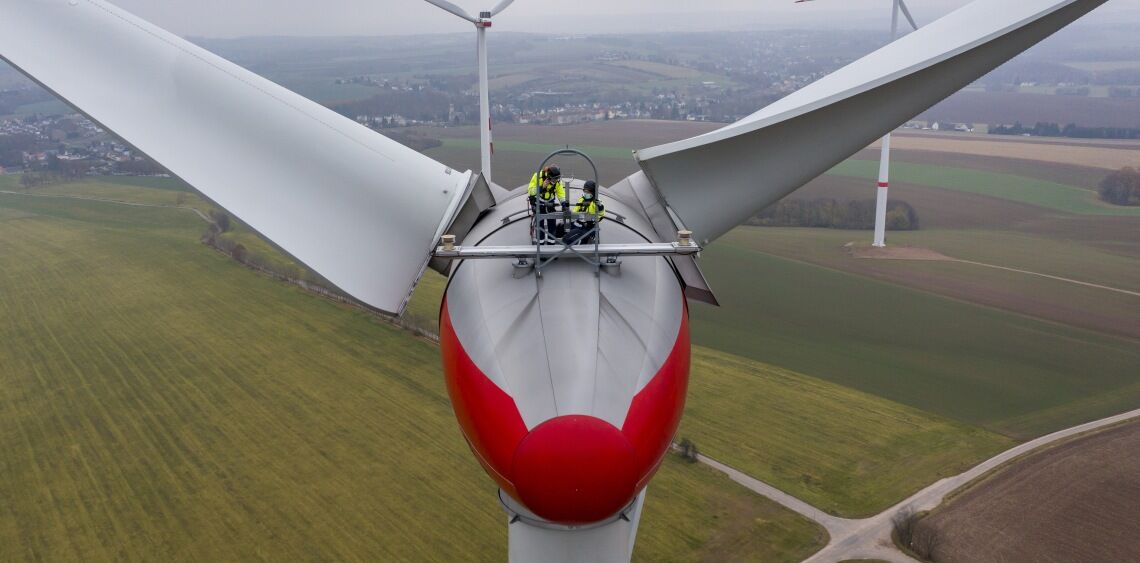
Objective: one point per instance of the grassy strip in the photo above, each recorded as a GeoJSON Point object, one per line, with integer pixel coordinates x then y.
{"type": "Point", "coordinates": [1051, 195]}
{"type": "Point", "coordinates": [844, 451]}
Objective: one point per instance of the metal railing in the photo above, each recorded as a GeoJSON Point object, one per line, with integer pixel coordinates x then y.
{"type": "Point", "coordinates": [547, 246]}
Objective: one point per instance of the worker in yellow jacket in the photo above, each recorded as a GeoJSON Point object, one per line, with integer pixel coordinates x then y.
{"type": "Point", "coordinates": [587, 213]}
{"type": "Point", "coordinates": [545, 192]}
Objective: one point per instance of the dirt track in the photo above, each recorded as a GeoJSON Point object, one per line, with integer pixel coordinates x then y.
{"type": "Point", "coordinates": [1076, 502]}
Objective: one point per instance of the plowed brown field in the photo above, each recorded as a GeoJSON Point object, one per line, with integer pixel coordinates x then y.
{"type": "Point", "coordinates": [1077, 502]}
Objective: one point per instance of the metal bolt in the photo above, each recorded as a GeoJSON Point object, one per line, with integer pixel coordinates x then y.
{"type": "Point", "coordinates": [684, 238]}
{"type": "Point", "coordinates": [448, 243]}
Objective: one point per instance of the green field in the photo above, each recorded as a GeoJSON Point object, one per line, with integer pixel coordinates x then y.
{"type": "Point", "coordinates": [135, 193]}
{"type": "Point", "coordinates": [1052, 256]}
{"type": "Point", "coordinates": [1009, 373]}
{"type": "Point", "coordinates": [540, 149]}
{"type": "Point", "coordinates": [843, 451]}
{"type": "Point", "coordinates": [159, 401]}
{"type": "Point", "coordinates": [1067, 302]}
{"type": "Point", "coordinates": [1050, 195]}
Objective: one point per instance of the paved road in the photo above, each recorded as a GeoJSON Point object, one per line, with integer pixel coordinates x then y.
{"type": "Point", "coordinates": [870, 538]}
{"type": "Point", "coordinates": [203, 216]}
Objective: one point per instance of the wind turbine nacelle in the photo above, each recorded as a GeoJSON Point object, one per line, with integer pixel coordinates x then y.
{"type": "Point", "coordinates": [568, 387]}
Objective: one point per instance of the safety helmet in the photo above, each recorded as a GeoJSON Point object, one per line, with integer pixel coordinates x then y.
{"type": "Point", "coordinates": [590, 186]}
{"type": "Point", "coordinates": [553, 172]}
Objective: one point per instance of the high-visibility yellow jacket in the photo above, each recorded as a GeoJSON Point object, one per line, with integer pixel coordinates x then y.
{"type": "Point", "coordinates": [544, 189]}
{"type": "Point", "coordinates": [593, 208]}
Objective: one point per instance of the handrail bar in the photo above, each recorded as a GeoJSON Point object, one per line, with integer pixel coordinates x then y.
{"type": "Point", "coordinates": [526, 251]}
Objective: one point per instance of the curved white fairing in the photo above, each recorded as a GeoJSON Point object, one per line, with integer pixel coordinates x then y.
{"type": "Point", "coordinates": [715, 181]}
{"type": "Point", "coordinates": [570, 342]}
{"type": "Point", "coordinates": [358, 208]}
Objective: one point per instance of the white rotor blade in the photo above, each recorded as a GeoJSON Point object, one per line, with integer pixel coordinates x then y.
{"type": "Point", "coordinates": [715, 181]}
{"type": "Point", "coordinates": [448, 6]}
{"type": "Point", "coordinates": [358, 208]}
{"type": "Point", "coordinates": [502, 6]}
{"type": "Point", "coordinates": [909, 18]}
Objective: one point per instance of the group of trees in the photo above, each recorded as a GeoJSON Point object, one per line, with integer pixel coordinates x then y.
{"type": "Point", "coordinates": [1121, 187]}
{"type": "Point", "coordinates": [833, 214]}
{"type": "Point", "coordinates": [216, 237]}
{"type": "Point", "coordinates": [29, 180]}
{"type": "Point", "coordinates": [13, 147]}
{"type": "Point", "coordinates": [1072, 130]}
{"type": "Point", "coordinates": [688, 451]}
{"type": "Point", "coordinates": [910, 532]}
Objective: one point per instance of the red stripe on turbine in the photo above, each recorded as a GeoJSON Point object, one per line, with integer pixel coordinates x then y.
{"type": "Point", "coordinates": [883, 184]}
{"type": "Point", "coordinates": [489, 418]}
{"type": "Point", "coordinates": [656, 410]}
{"type": "Point", "coordinates": [571, 469]}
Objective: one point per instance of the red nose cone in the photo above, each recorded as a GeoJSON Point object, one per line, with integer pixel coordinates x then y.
{"type": "Point", "coordinates": [575, 470]}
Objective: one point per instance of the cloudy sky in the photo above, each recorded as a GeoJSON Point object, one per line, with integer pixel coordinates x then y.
{"type": "Point", "coordinates": [233, 18]}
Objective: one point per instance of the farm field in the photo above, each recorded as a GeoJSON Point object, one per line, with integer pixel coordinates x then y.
{"type": "Point", "coordinates": [110, 189]}
{"type": "Point", "coordinates": [1050, 195]}
{"type": "Point", "coordinates": [1055, 256]}
{"type": "Point", "coordinates": [846, 452]}
{"type": "Point", "coordinates": [160, 401]}
{"type": "Point", "coordinates": [1096, 153]}
{"type": "Point", "coordinates": [1078, 175]}
{"type": "Point", "coordinates": [1112, 311]}
{"type": "Point", "coordinates": [1093, 499]}
{"type": "Point", "coordinates": [1005, 372]}
{"type": "Point", "coordinates": [974, 215]}
{"type": "Point", "coordinates": [1007, 107]}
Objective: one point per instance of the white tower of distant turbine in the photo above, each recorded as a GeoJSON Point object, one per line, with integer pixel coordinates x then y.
{"type": "Point", "coordinates": [481, 24]}
{"type": "Point", "coordinates": [885, 155]}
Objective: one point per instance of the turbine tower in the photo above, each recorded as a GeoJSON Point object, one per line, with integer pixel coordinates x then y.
{"type": "Point", "coordinates": [885, 155]}
{"type": "Point", "coordinates": [482, 22]}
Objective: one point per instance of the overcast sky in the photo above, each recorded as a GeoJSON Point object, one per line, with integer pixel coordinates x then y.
{"type": "Point", "coordinates": [233, 18]}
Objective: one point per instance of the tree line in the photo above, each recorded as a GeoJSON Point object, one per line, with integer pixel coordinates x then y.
{"type": "Point", "coordinates": [1121, 187]}
{"type": "Point", "coordinates": [217, 236]}
{"type": "Point", "coordinates": [1072, 130]}
{"type": "Point", "coordinates": [832, 214]}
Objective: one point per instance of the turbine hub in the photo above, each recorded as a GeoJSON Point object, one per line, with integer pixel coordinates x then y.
{"type": "Point", "coordinates": [575, 469]}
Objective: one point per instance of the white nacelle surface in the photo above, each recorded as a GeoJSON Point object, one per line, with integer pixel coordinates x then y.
{"type": "Point", "coordinates": [569, 342]}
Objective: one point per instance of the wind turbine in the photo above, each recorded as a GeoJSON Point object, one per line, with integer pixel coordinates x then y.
{"type": "Point", "coordinates": [568, 380]}
{"type": "Point", "coordinates": [885, 152]}
{"type": "Point", "coordinates": [486, 146]}
{"type": "Point", "coordinates": [880, 239]}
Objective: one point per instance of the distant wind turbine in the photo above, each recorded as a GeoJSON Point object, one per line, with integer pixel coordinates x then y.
{"type": "Point", "coordinates": [885, 155]}
{"type": "Point", "coordinates": [486, 147]}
